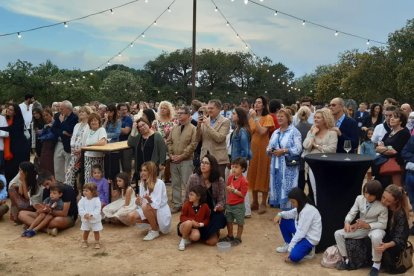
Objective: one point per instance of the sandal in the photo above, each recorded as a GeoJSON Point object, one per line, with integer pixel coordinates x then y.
{"type": "Point", "coordinates": [236, 242]}
{"type": "Point", "coordinates": [227, 239]}
{"type": "Point", "coordinates": [97, 245]}
{"type": "Point", "coordinates": [84, 244]}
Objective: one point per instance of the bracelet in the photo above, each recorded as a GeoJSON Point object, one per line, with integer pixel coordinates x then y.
{"type": "Point", "coordinates": [279, 214]}
{"type": "Point", "coordinates": [311, 135]}
{"type": "Point", "coordinates": [256, 119]}
{"type": "Point", "coordinates": [234, 191]}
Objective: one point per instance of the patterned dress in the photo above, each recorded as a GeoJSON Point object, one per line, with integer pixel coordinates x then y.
{"type": "Point", "coordinates": [78, 141]}
{"type": "Point", "coordinates": [284, 178]}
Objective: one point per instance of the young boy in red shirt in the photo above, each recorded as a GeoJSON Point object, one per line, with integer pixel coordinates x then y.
{"type": "Point", "coordinates": [237, 187]}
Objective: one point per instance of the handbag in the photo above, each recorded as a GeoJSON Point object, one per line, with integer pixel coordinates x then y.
{"type": "Point", "coordinates": [292, 160]}
{"type": "Point", "coordinates": [359, 252]}
{"type": "Point", "coordinates": [390, 167]}
{"type": "Point", "coordinates": [331, 257]}
{"type": "Point", "coordinates": [401, 264]}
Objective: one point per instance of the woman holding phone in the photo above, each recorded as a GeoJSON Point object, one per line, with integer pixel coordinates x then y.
{"type": "Point", "coordinates": [258, 175]}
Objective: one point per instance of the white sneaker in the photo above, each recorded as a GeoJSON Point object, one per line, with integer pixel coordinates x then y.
{"type": "Point", "coordinates": [282, 249]}
{"type": "Point", "coordinates": [181, 245]}
{"type": "Point", "coordinates": [311, 254]}
{"type": "Point", "coordinates": [151, 235]}
{"type": "Point", "coordinates": [187, 242]}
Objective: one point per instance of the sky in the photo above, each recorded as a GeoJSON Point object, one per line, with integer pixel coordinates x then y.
{"type": "Point", "coordinates": [89, 43]}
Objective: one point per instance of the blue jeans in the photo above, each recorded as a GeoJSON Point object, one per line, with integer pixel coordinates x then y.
{"type": "Point", "coordinates": [409, 185]}
{"type": "Point", "coordinates": [302, 248]}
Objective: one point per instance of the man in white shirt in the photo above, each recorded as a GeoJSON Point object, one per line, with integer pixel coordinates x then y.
{"type": "Point", "coordinates": [3, 123]}
{"type": "Point", "coordinates": [226, 112]}
{"type": "Point", "coordinates": [26, 108]}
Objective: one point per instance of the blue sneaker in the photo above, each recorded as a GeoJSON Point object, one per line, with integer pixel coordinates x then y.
{"type": "Point", "coordinates": [24, 233]}
{"type": "Point", "coordinates": [30, 233]}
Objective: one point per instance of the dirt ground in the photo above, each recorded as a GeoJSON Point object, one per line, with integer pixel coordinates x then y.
{"type": "Point", "coordinates": [124, 252]}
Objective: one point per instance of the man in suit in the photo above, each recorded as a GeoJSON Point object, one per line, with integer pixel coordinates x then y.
{"type": "Point", "coordinates": [213, 131]}
{"type": "Point", "coordinates": [360, 116]}
{"type": "Point", "coordinates": [345, 127]}
{"type": "Point", "coordinates": [181, 143]}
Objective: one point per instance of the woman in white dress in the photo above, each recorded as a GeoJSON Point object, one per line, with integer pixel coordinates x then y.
{"type": "Point", "coordinates": [152, 203]}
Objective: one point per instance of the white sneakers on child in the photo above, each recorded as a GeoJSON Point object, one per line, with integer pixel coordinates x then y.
{"type": "Point", "coordinates": [311, 254]}
{"type": "Point", "coordinates": [282, 249]}
{"type": "Point", "coordinates": [183, 243]}
{"type": "Point", "coordinates": [151, 235]}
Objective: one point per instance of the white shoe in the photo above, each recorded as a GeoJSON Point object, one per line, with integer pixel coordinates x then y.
{"type": "Point", "coordinates": [311, 254]}
{"type": "Point", "coordinates": [282, 249]}
{"type": "Point", "coordinates": [181, 245]}
{"type": "Point", "coordinates": [151, 235]}
{"type": "Point", "coordinates": [187, 242]}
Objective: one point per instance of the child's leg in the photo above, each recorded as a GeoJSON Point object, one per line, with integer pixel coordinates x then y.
{"type": "Point", "coordinates": [239, 231]}
{"type": "Point", "coordinates": [96, 235]}
{"type": "Point", "coordinates": [38, 219]}
{"type": "Point", "coordinates": [85, 235]}
{"type": "Point", "coordinates": [230, 229]}
{"type": "Point", "coordinates": [185, 228]}
{"type": "Point", "coordinates": [195, 235]}
{"type": "Point", "coordinates": [288, 229]}
{"type": "Point", "coordinates": [301, 249]}
{"type": "Point", "coordinates": [44, 223]}
{"type": "Point", "coordinates": [341, 235]}
{"type": "Point", "coordinates": [376, 237]}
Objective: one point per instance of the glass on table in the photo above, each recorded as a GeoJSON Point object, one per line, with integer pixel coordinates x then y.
{"type": "Point", "coordinates": [347, 148]}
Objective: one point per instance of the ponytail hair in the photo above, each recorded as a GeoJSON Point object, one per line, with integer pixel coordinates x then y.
{"type": "Point", "coordinates": [400, 198]}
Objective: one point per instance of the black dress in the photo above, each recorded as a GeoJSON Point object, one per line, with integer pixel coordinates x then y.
{"type": "Point", "coordinates": [19, 147]}
{"type": "Point", "coordinates": [217, 219]}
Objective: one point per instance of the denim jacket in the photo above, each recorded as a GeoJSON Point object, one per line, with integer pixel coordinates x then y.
{"type": "Point", "coordinates": [113, 131]}
{"type": "Point", "coordinates": [240, 144]}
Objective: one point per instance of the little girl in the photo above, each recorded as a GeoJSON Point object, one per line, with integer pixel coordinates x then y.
{"type": "Point", "coordinates": [117, 210]}
{"type": "Point", "coordinates": [368, 148]}
{"type": "Point", "coordinates": [101, 184]}
{"type": "Point", "coordinates": [373, 218]}
{"type": "Point", "coordinates": [301, 227]}
{"type": "Point", "coordinates": [90, 212]}
{"type": "Point", "coordinates": [195, 216]}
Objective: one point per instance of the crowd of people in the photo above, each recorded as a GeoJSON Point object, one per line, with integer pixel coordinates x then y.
{"type": "Point", "coordinates": [212, 154]}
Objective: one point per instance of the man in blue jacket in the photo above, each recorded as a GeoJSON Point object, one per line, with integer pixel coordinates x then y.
{"type": "Point", "coordinates": [62, 127]}
{"type": "Point", "coordinates": [346, 127]}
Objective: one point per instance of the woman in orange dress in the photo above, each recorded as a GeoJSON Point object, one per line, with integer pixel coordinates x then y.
{"type": "Point", "coordinates": [258, 175]}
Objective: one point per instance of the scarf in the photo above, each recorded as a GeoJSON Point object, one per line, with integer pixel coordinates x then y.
{"type": "Point", "coordinates": [8, 155]}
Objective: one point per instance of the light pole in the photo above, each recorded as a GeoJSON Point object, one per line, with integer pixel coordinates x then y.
{"type": "Point", "coordinates": [193, 65]}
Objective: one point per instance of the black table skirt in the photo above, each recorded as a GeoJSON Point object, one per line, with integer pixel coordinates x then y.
{"type": "Point", "coordinates": [338, 183]}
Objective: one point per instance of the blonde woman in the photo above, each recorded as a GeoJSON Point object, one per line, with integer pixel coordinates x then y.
{"type": "Point", "coordinates": [164, 124]}
{"type": "Point", "coordinates": [77, 141]}
{"type": "Point", "coordinates": [152, 203]}
{"type": "Point", "coordinates": [321, 138]}
{"type": "Point", "coordinates": [303, 126]}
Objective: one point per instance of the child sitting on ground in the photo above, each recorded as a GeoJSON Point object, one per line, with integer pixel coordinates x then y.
{"type": "Point", "coordinates": [4, 208]}
{"type": "Point", "coordinates": [237, 187]}
{"type": "Point", "coordinates": [44, 211]}
{"type": "Point", "coordinates": [195, 216]}
{"type": "Point", "coordinates": [89, 208]}
{"type": "Point", "coordinates": [101, 184]}
{"type": "Point", "coordinates": [301, 227]}
{"type": "Point", "coordinates": [372, 222]}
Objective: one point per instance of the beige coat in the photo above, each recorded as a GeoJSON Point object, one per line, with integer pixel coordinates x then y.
{"type": "Point", "coordinates": [182, 142]}
{"type": "Point", "coordinates": [214, 139]}
{"type": "Point", "coordinates": [376, 216]}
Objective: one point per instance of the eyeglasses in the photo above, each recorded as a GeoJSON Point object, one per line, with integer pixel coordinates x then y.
{"type": "Point", "coordinates": [204, 163]}
{"type": "Point", "coordinates": [141, 126]}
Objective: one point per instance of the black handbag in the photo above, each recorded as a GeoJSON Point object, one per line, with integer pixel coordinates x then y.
{"type": "Point", "coordinates": [292, 160]}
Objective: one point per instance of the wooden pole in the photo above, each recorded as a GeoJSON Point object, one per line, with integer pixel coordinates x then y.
{"type": "Point", "coordinates": [193, 65]}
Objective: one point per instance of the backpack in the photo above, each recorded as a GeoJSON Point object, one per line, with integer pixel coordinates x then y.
{"type": "Point", "coordinates": [331, 257]}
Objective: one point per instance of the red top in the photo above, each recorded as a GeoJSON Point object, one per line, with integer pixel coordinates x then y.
{"type": "Point", "coordinates": [203, 214]}
{"type": "Point", "coordinates": [276, 124]}
{"type": "Point", "coordinates": [239, 184]}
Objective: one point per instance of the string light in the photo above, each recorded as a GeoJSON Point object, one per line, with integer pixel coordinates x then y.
{"type": "Point", "coordinates": [65, 24]}
{"type": "Point", "coordinates": [275, 13]}
{"type": "Point", "coordinates": [216, 9]}
{"type": "Point", "coordinates": [336, 33]}
{"type": "Point", "coordinates": [70, 20]}
{"type": "Point", "coordinates": [169, 10]}
{"type": "Point", "coordinates": [246, 2]}
{"type": "Point", "coordinates": [368, 42]}
{"type": "Point", "coordinates": [312, 23]}
{"type": "Point", "coordinates": [155, 23]}
{"type": "Point", "coordinates": [141, 35]}
{"type": "Point", "coordinates": [19, 35]}
{"type": "Point", "coordinates": [112, 11]}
